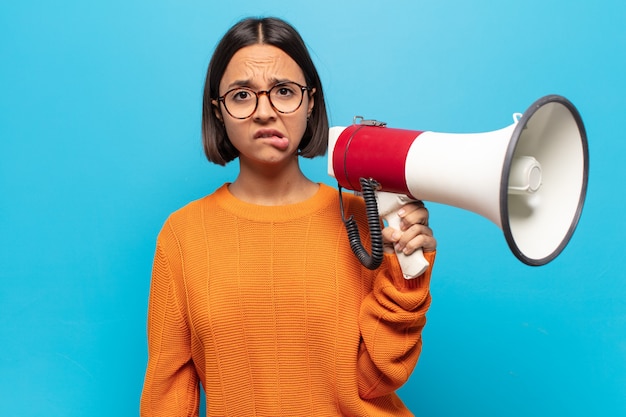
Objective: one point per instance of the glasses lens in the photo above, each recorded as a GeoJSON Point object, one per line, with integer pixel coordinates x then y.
{"type": "Point", "coordinates": [240, 102]}
{"type": "Point", "coordinates": [286, 97]}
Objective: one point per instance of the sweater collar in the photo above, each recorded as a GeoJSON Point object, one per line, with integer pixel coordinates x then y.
{"type": "Point", "coordinates": [324, 197]}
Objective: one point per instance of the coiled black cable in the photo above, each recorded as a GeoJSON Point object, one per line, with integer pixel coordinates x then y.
{"type": "Point", "coordinates": [373, 261]}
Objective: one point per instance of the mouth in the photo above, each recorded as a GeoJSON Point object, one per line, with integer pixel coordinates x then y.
{"type": "Point", "coordinates": [273, 138]}
{"type": "Point", "coordinates": [267, 134]}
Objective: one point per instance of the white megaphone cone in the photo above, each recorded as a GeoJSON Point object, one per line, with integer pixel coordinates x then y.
{"type": "Point", "coordinates": [529, 178]}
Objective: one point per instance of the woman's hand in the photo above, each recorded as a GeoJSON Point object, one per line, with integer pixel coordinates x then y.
{"type": "Point", "coordinates": [414, 232]}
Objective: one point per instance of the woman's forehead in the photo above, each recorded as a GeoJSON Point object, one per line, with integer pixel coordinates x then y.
{"type": "Point", "coordinates": [261, 64]}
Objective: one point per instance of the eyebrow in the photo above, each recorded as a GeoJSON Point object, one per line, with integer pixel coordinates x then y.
{"type": "Point", "coordinates": [248, 83]}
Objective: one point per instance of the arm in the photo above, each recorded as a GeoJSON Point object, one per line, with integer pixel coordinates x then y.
{"type": "Point", "coordinates": [391, 319]}
{"type": "Point", "coordinates": [171, 382]}
{"type": "Point", "coordinates": [394, 313]}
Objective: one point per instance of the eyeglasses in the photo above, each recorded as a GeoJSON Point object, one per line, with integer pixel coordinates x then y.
{"type": "Point", "coordinates": [242, 102]}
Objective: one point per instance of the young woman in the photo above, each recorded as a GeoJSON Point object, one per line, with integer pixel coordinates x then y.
{"type": "Point", "coordinates": [255, 292]}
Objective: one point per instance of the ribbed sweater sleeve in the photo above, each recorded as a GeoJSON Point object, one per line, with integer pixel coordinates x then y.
{"type": "Point", "coordinates": [391, 321]}
{"type": "Point", "coordinates": [171, 382]}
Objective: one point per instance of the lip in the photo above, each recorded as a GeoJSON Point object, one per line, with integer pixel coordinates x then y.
{"type": "Point", "coordinates": [268, 133]}
{"type": "Point", "coordinates": [273, 138]}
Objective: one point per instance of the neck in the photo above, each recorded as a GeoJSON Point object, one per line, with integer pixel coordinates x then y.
{"type": "Point", "coordinates": [272, 186]}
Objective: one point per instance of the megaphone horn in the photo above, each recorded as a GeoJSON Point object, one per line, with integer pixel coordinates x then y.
{"type": "Point", "coordinates": [529, 178]}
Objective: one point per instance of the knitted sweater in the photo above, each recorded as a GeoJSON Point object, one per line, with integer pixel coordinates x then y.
{"type": "Point", "coordinates": [270, 310]}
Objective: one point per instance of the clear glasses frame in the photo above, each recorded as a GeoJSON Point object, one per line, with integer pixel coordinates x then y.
{"type": "Point", "coordinates": [231, 96]}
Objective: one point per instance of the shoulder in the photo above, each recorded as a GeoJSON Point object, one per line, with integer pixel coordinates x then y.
{"type": "Point", "coordinates": [350, 199]}
{"type": "Point", "coordinates": [353, 204]}
{"type": "Point", "coordinates": [192, 214]}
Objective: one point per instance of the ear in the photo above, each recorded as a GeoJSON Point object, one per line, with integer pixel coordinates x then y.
{"type": "Point", "coordinates": [216, 110]}
{"type": "Point", "coordinates": [311, 102]}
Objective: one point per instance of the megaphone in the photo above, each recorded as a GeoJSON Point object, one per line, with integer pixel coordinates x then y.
{"type": "Point", "coordinates": [529, 178]}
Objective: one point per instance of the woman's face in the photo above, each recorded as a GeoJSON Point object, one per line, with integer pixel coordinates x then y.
{"type": "Point", "coordinates": [267, 136]}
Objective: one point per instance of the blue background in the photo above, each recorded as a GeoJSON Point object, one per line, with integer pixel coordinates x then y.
{"type": "Point", "coordinates": [100, 140]}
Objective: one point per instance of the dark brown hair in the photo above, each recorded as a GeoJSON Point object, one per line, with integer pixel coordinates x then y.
{"type": "Point", "coordinates": [269, 31]}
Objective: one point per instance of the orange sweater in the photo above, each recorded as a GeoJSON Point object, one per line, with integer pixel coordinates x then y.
{"type": "Point", "coordinates": [269, 309]}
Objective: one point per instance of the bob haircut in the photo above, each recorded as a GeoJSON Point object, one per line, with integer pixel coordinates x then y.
{"type": "Point", "coordinates": [269, 31]}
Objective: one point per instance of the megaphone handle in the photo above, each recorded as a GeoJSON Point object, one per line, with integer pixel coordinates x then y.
{"type": "Point", "coordinates": [412, 265]}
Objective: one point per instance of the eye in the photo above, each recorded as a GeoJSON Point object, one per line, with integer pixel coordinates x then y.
{"type": "Point", "coordinates": [284, 90]}
{"type": "Point", "coordinates": [241, 95]}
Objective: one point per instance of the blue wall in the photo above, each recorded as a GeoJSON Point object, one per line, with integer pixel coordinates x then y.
{"type": "Point", "coordinates": [100, 141]}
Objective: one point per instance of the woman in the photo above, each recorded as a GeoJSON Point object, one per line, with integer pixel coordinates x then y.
{"type": "Point", "coordinates": [255, 292]}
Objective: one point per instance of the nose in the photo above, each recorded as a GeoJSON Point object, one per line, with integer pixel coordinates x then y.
{"type": "Point", "coordinates": [264, 108]}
